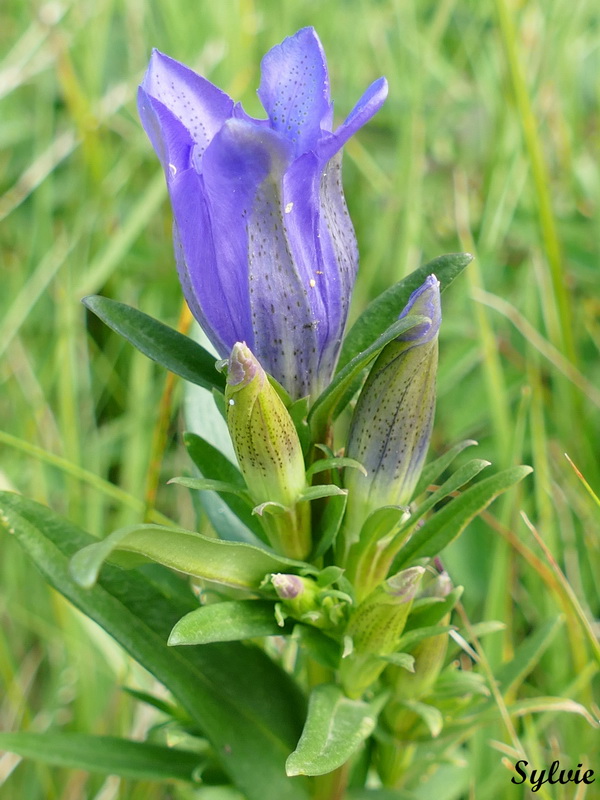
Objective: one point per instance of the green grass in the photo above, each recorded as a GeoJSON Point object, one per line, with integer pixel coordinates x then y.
{"type": "Point", "coordinates": [488, 143]}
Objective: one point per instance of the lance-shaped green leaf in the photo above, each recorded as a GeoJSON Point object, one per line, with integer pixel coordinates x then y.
{"type": "Point", "coordinates": [229, 621]}
{"type": "Point", "coordinates": [210, 485]}
{"type": "Point", "coordinates": [213, 465]}
{"type": "Point", "coordinates": [455, 482]}
{"type": "Point", "coordinates": [139, 761]}
{"type": "Point", "coordinates": [248, 708]}
{"type": "Point", "coordinates": [331, 522]}
{"type": "Point", "coordinates": [411, 638]}
{"type": "Point", "coordinates": [431, 472]}
{"type": "Point", "coordinates": [322, 490]}
{"type": "Point", "coordinates": [335, 728]}
{"type": "Point", "coordinates": [448, 523]}
{"type": "Point", "coordinates": [324, 464]}
{"type": "Point", "coordinates": [386, 308]}
{"type": "Point", "coordinates": [176, 352]}
{"type": "Point", "coordinates": [347, 381]}
{"type": "Point", "coordinates": [298, 411]}
{"type": "Point", "coordinates": [403, 661]}
{"type": "Point", "coordinates": [230, 563]}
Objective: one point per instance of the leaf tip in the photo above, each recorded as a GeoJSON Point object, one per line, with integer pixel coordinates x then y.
{"type": "Point", "coordinates": [83, 571]}
{"type": "Point", "coordinates": [174, 638]}
{"type": "Point", "coordinates": [292, 769]}
{"type": "Point", "coordinates": [90, 301]}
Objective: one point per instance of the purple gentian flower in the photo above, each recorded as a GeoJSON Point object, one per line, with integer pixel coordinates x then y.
{"type": "Point", "coordinates": [265, 249]}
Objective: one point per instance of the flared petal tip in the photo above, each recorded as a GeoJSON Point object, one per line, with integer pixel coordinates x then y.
{"type": "Point", "coordinates": [156, 67]}
{"type": "Point", "coordinates": [368, 105]}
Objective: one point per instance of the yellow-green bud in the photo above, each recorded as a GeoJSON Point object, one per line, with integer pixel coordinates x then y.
{"type": "Point", "coordinates": [376, 627]}
{"type": "Point", "coordinates": [269, 453]}
{"type": "Point", "coordinates": [429, 655]}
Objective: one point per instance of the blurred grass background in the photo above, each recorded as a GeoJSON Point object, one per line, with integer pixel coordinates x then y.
{"type": "Point", "coordinates": [488, 142]}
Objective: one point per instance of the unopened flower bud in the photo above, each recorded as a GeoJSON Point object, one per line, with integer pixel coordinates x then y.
{"type": "Point", "coordinates": [429, 654]}
{"type": "Point", "coordinates": [288, 587]}
{"type": "Point", "coordinates": [304, 600]}
{"type": "Point", "coordinates": [376, 628]}
{"type": "Point", "coordinates": [269, 452]}
{"type": "Point", "coordinates": [393, 419]}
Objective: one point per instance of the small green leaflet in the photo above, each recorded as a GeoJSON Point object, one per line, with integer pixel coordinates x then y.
{"type": "Point", "coordinates": [228, 621]}
{"type": "Point", "coordinates": [335, 727]}
{"type": "Point", "coordinates": [448, 523]}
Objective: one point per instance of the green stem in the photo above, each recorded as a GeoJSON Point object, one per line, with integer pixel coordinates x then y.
{"type": "Point", "coordinates": [332, 786]}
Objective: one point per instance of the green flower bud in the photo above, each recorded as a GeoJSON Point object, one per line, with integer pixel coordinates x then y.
{"type": "Point", "coordinates": [269, 453]}
{"type": "Point", "coordinates": [376, 627]}
{"type": "Point", "coordinates": [304, 600]}
{"type": "Point", "coordinates": [429, 655]}
{"type": "Point", "coordinates": [393, 419]}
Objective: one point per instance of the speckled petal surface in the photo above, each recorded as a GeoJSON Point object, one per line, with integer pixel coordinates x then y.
{"type": "Point", "coordinates": [294, 89]}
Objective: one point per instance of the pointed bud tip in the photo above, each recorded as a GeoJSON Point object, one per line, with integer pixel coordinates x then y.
{"type": "Point", "coordinates": [404, 584]}
{"type": "Point", "coordinates": [288, 587]}
{"type": "Point", "coordinates": [243, 366]}
{"type": "Point", "coordinates": [426, 301]}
